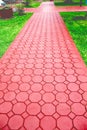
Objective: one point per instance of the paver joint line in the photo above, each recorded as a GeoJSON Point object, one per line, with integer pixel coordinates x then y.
{"type": "Point", "coordinates": [43, 80]}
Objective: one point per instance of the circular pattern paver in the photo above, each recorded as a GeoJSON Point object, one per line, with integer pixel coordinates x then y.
{"type": "Point", "coordinates": [19, 108]}
{"type": "Point", "coordinates": [16, 78]}
{"type": "Point", "coordinates": [61, 87]}
{"type": "Point", "coordinates": [37, 79]}
{"type": "Point", "coordinates": [21, 61]}
{"type": "Point", "coordinates": [36, 87]}
{"type": "Point", "coordinates": [71, 78]}
{"type": "Point", "coordinates": [73, 87]}
{"type": "Point", "coordinates": [31, 123]}
{"type": "Point", "coordinates": [58, 65]}
{"type": "Point", "coordinates": [48, 55]}
{"type": "Point", "coordinates": [3, 86]}
{"type": "Point", "coordinates": [80, 123]}
{"type": "Point", "coordinates": [69, 71]}
{"type": "Point", "coordinates": [60, 79]}
{"type": "Point", "coordinates": [39, 60]}
{"type": "Point", "coordinates": [48, 71]}
{"type": "Point", "coordinates": [40, 55]}
{"type": "Point", "coordinates": [63, 109]}
{"type": "Point", "coordinates": [48, 60]}
{"type": "Point", "coordinates": [9, 96]}
{"type": "Point", "coordinates": [85, 96]}
{"type": "Point", "coordinates": [74, 55]}
{"type": "Point", "coordinates": [35, 97]}
{"type": "Point", "coordinates": [13, 60]}
{"type": "Point", "coordinates": [66, 60]}
{"type": "Point", "coordinates": [57, 60]}
{"type": "Point", "coordinates": [78, 65]}
{"type": "Point", "coordinates": [26, 78]}
{"type": "Point", "coordinates": [18, 71]}
{"type": "Point", "coordinates": [13, 86]}
{"type": "Point", "coordinates": [15, 122]}
{"type": "Point", "coordinates": [24, 87]}
{"type": "Point", "coordinates": [38, 71]}
{"type": "Point", "coordinates": [22, 96]}
{"type": "Point", "coordinates": [75, 60]}
{"type": "Point", "coordinates": [29, 66]}
{"type": "Point", "coordinates": [65, 55]}
{"type": "Point", "coordinates": [8, 71]}
{"type": "Point", "coordinates": [75, 96]}
{"type": "Point", "coordinates": [30, 60]}
{"type": "Point", "coordinates": [39, 65]}
{"type": "Point", "coordinates": [64, 123]}
{"type": "Point", "coordinates": [68, 65]}
{"type": "Point", "coordinates": [5, 107]}
{"type": "Point", "coordinates": [59, 71]}
{"type": "Point", "coordinates": [48, 109]}
{"type": "Point", "coordinates": [80, 71]}
{"type": "Point", "coordinates": [48, 87]}
{"type": "Point", "coordinates": [3, 120]}
{"type": "Point", "coordinates": [61, 97]}
{"type": "Point", "coordinates": [82, 78]}
{"type": "Point", "coordinates": [33, 109]}
{"type": "Point", "coordinates": [83, 86]}
{"type": "Point", "coordinates": [11, 65]}
{"type": "Point", "coordinates": [5, 78]}
{"type": "Point", "coordinates": [48, 123]}
{"type": "Point", "coordinates": [28, 71]}
{"type": "Point", "coordinates": [20, 66]}
{"type": "Point", "coordinates": [1, 94]}
{"type": "Point", "coordinates": [48, 79]}
{"type": "Point", "coordinates": [48, 65]}
{"type": "Point", "coordinates": [48, 97]}
{"type": "Point", "coordinates": [78, 109]}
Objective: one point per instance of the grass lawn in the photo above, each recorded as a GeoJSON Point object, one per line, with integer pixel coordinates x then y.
{"type": "Point", "coordinates": [33, 5]}
{"type": "Point", "coordinates": [78, 31]}
{"type": "Point", "coordinates": [9, 29]}
{"type": "Point", "coordinates": [75, 3]}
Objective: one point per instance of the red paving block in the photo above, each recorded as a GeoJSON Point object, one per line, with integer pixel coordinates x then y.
{"type": "Point", "coordinates": [63, 109]}
{"type": "Point", "coordinates": [48, 123]}
{"type": "Point", "coordinates": [71, 8]}
{"type": "Point", "coordinates": [43, 80]}
{"type": "Point", "coordinates": [17, 106]}
{"type": "Point", "coordinates": [64, 123]}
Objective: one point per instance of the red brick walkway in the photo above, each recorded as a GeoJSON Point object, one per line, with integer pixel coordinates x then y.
{"type": "Point", "coordinates": [43, 80]}
{"type": "Point", "coordinates": [71, 8]}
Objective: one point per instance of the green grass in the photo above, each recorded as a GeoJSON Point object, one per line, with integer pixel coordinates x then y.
{"type": "Point", "coordinates": [78, 31]}
{"type": "Point", "coordinates": [9, 29]}
{"type": "Point", "coordinates": [75, 3]}
{"type": "Point", "coordinates": [33, 5]}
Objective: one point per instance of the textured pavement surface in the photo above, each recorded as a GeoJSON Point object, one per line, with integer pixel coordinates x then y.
{"type": "Point", "coordinates": [59, 8]}
{"type": "Point", "coordinates": [43, 80]}
{"type": "Point", "coordinates": [71, 8]}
